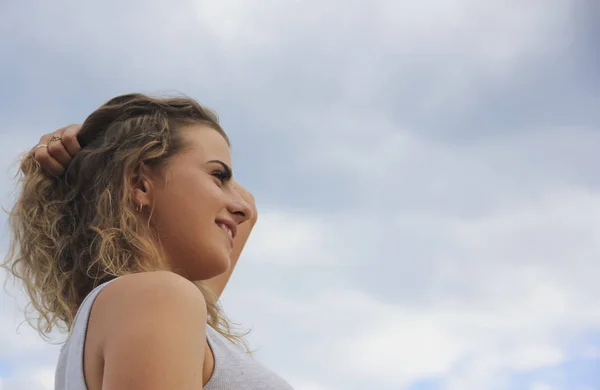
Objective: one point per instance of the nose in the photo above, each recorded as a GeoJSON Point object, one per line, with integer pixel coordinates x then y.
{"type": "Point", "coordinates": [239, 208]}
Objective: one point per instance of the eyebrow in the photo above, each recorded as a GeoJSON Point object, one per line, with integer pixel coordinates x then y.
{"type": "Point", "coordinates": [226, 167]}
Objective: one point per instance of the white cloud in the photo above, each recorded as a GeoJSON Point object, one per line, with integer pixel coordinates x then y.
{"type": "Point", "coordinates": [303, 385]}
{"type": "Point", "coordinates": [591, 352]}
{"type": "Point", "coordinates": [531, 357]}
{"type": "Point", "coordinates": [468, 23]}
{"type": "Point", "coordinates": [290, 238]}
{"type": "Point", "coordinates": [541, 386]}
{"type": "Point", "coordinates": [496, 308]}
{"type": "Point", "coordinates": [34, 378]}
{"type": "Point", "coordinates": [45, 377]}
{"type": "Point", "coordinates": [468, 261]}
{"type": "Point", "coordinates": [453, 46]}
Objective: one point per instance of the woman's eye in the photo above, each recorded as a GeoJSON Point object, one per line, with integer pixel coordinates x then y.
{"type": "Point", "coordinates": [222, 176]}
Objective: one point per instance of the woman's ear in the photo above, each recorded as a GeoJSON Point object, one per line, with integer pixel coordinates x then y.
{"type": "Point", "coordinates": [142, 187]}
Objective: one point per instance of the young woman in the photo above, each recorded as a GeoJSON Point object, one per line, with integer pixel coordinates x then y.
{"type": "Point", "coordinates": [126, 231]}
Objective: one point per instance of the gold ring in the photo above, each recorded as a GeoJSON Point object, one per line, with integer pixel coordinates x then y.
{"type": "Point", "coordinates": [55, 138]}
{"type": "Point", "coordinates": [36, 149]}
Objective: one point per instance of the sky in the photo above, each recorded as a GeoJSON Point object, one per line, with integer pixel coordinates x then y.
{"type": "Point", "coordinates": [425, 174]}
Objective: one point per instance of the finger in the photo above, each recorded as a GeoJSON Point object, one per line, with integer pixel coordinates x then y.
{"type": "Point", "coordinates": [69, 139]}
{"type": "Point", "coordinates": [57, 150]}
{"type": "Point", "coordinates": [45, 138]}
{"type": "Point", "coordinates": [48, 163]}
{"type": "Point", "coordinates": [42, 155]}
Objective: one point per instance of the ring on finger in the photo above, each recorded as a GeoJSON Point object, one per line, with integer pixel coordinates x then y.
{"type": "Point", "coordinates": [55, 138]}
{"type": "Point", "coordinates": [38, 147]}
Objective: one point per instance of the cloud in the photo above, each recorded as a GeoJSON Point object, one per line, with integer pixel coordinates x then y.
{"type": "Point", "coordinates": [421, 59]}
{"type": "Point", "coordinates": [540, 386]}
{"type": "Point", "coordinates": [290, 238]}
{"type": "Point", "coordinates": [425, 173]}
{"type": "Point", "coordinates": [38, 378]}
{"type": "Point", "coordinates": [29, 361]}
{"type": "Point", "coordinates": [506, 299]}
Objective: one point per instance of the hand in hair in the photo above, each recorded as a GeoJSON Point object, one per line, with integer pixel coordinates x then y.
{"type": "Point", "coordinates": [56, 150]}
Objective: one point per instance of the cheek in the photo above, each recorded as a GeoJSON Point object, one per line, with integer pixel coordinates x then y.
{"type": "Point", "coordinates": [189, 208]}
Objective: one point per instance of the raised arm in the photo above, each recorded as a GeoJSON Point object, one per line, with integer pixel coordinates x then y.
{"type": "Point", "coordinates": [218, 283]}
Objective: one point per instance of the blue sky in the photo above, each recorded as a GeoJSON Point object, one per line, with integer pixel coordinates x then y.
{"type": "Point", "coordinates": [425, 172]}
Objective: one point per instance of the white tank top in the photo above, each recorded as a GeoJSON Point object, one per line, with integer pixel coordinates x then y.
{"type": "Point", "coordinates": [234, 369]}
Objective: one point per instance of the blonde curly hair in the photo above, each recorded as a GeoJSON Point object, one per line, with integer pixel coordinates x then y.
{"type": "Point", "coordinates": [74, 232]}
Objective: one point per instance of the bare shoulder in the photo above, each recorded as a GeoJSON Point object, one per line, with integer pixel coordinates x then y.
{"type": "Point", "coordinates": [151, 288]}
{"type": "Point", "coordinates": [151, 330]}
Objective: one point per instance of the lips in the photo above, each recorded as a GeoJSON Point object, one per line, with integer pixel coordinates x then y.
{"type": "Point", "coordinates": [229, 227]}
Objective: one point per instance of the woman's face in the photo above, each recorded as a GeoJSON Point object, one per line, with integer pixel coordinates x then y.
{"type": "Point", "coordinates": [196, 206]}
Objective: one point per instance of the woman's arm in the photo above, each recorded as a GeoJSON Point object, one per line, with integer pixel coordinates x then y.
{"type": "Point", "coordinates": [218, 283]}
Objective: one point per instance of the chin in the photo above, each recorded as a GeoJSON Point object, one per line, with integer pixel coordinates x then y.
{"type": "Point", "coordinates": [216, 266]}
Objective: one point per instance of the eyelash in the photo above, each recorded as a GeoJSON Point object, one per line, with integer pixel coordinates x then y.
{"type": "Point", "coordinates": [221, 175]}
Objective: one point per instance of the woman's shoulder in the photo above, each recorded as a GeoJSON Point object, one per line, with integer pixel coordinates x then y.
{"type": "Point", "coordinates": [149, 320]}
{"type": "Point", "coordinates": [150, 292]}
{"type": "Point", "coordinates": [154, 300]}
{"type": "Point", "coordinates": [155, 281]}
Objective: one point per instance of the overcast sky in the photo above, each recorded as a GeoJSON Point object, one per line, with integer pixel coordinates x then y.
{"type": "Point", "coordinates": [426, 174]}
